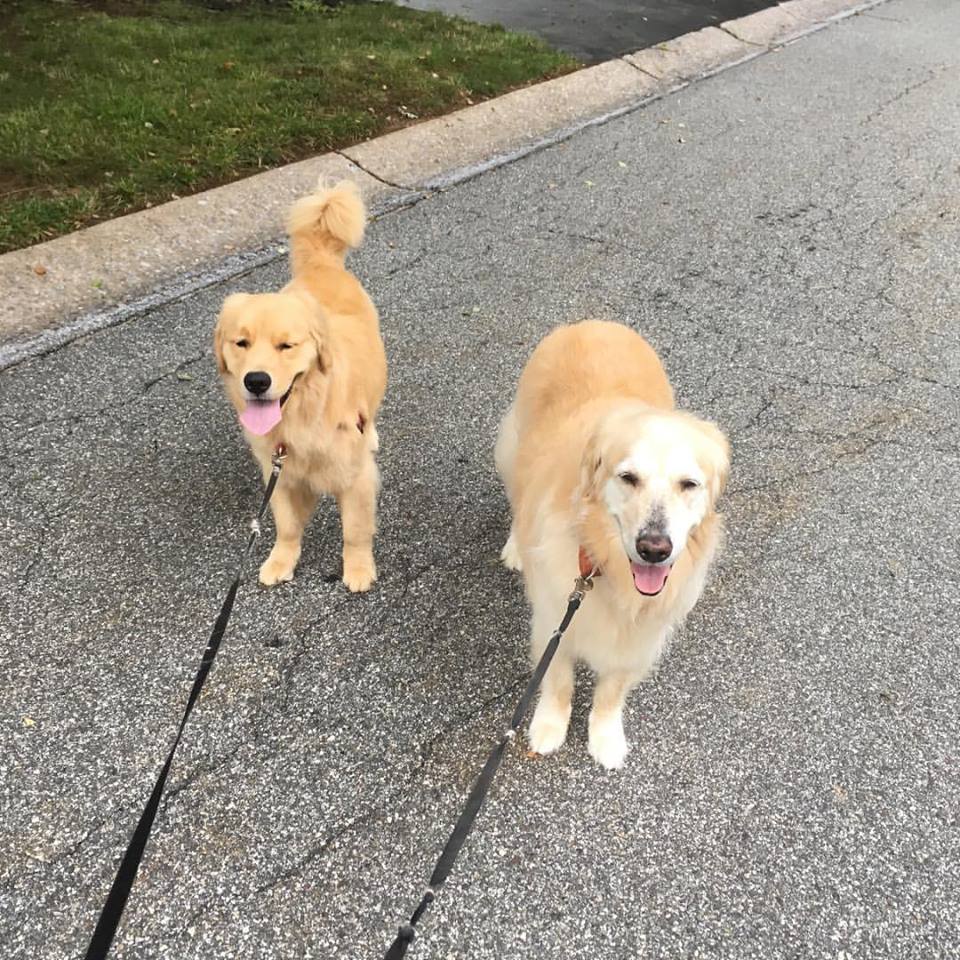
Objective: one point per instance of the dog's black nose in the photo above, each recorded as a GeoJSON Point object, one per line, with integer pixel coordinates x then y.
{"type": "Point", "coordinates": [654, 547]}
{"type": "Point", "coordinates": [257, 382]}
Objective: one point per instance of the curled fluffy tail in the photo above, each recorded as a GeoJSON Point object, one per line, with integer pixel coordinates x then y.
{"type": "Point", "coordinates": [324, 225]}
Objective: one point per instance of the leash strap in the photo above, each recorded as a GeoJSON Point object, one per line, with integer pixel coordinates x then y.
{"type": "Point", "coordinates": [123, 882]}
{"type": "Point", "coordinates": [448, 857]}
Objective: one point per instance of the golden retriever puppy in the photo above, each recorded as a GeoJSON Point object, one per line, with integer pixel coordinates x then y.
{"type": "Point", "coordinates": [305, 368]}
{"type": "Point", "coordinates": [603, 473]}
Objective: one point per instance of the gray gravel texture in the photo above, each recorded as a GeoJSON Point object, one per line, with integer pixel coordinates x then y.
{"type": "Point", "coordinates": [786, 234]}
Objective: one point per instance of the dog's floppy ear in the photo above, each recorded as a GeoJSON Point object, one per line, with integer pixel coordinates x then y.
{"type": "Point", "coordinates": [318, 331]}
{"type": "Point", "coordinates": [713, 455]}
{"type": "Point", "coordinates": [590, 465]}
{"type": "Point", "coordinates": [228, 311]}
{"type": "Point", "coordinates": [324, 357]}
{"type": "Point", "coordinates": [218, 346]}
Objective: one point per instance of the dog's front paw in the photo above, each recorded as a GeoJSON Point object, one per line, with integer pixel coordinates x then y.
{"type": "Point", "coordinates": [359, 573]}
{"type": "Point", "coordinates": [548, 729]}
{"type": "Point", "coordinates": [277, 569]}
{"type": "Point", "coordinates": [608, 745]}
{"type": "Point", "coordinates": [510, 555]}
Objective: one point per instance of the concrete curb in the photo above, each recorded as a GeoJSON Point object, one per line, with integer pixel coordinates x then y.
{"type": "Point", "coordinates": [692, 55]}
{"type": "Point", "coordinates": [415, 157]}
{"type": "Point", "coordinates": [119, 258]}
{"type": "Point", "coordinates": [90, 279]}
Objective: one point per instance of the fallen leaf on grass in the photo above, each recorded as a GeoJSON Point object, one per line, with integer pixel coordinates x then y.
{"type": "Point", "coordinates": [29, 722]}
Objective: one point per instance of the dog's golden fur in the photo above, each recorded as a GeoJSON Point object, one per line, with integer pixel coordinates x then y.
{"type": "Point", "coordinates": [320, 336]}
{"type": "Point", "coordinates": [592, 453]}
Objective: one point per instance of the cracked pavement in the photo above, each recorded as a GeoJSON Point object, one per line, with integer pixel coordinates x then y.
{"type": "Point", "coordinates": [786, 235]}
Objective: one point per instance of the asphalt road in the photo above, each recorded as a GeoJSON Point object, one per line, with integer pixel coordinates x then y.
{"type": "Point", "coordinates": [596, 30]}
{"type": "Point", "coordinates": [786, 234]}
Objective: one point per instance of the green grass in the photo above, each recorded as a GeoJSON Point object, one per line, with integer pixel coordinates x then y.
{"type": "Point", "coordinates": [107, 107]}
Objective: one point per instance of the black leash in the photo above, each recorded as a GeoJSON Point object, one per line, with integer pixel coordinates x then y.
{"type": "Point", "coordinates": [127, 873]}
{"type": "Point", "coordinates": [448, 857]}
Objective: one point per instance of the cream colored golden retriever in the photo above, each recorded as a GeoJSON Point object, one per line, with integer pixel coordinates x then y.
{"type": "Point", "coordinates": [306, 368]}
{"type": "Point", "coordinates": [598, 464]}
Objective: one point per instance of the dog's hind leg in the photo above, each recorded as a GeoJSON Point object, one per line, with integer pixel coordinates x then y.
{"type": "Point", "coordinates": [358, 515]}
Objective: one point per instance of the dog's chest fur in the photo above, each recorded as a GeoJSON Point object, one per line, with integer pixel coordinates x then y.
{"type": "Point", "coordinates": [324, 459]}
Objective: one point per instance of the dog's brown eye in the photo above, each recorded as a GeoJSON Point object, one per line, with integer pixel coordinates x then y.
{"type": "Point", "coordinates": [629, 478]}
{"type": "Point", "coordinates": [689, 484]}
{"type": "Point", "coordinates": [242, 344]}
{"type": "Point", "coordinates": [284, 346]}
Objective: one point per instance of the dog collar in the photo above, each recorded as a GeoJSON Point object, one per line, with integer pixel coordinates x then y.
{"type": "Point", "coordinates": [587, 567]}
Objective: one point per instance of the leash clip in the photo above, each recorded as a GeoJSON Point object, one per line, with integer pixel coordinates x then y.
{"type": "Point", "coordinates": [582, 585]}
{"type": "Point", "coordinates": [278, 458]}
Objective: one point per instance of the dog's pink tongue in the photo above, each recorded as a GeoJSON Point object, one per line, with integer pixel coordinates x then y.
{"type": "Point", "coordinates": [261, 416]}
{"type": "Point", "coordinates": [649, 579]}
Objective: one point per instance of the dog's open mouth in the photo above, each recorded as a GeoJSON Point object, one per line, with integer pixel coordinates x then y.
{"type": "Point", "coordinates": [261, 416]}
{"type": "Point", "coordinates": [649, 578]}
